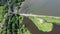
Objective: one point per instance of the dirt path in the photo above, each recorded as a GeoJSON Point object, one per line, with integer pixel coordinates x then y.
{"type": "Point", "coordinates": [34, 30]}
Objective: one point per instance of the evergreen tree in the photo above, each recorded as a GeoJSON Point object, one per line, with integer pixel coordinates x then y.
{"type": "Point", "coordinates": [11, 20]}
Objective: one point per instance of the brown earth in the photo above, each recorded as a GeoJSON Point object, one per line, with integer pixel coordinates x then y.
{"type": "Point", "coordinates": [34, 30]}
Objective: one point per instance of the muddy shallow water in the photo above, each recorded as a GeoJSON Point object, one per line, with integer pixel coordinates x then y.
{"type": "Point", "coordinates": [34, 30]}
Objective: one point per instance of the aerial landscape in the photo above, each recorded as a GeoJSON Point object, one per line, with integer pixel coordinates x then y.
{"type": "Point", "coordinates": [29, 16]}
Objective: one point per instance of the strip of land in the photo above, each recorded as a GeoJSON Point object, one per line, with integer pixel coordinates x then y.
{"type": "Point", "coordinates": [34, 30]}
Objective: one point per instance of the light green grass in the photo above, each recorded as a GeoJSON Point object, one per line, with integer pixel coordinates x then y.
{"type": "Point", "coordinates": [45, 27]}
{"type": "Point", "coordinates": [1, 9]}
{"type": "Point", "coordinates": [51, 19]}
{"type": "Point", "coordinates": [27, 32]}
{"type": "Point", "coordinates": [0, 30]}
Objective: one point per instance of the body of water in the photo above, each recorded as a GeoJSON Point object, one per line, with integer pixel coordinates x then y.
{"type": "Point", "coordinates": [42, 7]}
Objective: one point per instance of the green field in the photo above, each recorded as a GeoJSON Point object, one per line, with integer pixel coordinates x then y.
{"type": "Point", "coordinates": [47, 25]}
{"type": "Point", "coordinates": [51, 19]}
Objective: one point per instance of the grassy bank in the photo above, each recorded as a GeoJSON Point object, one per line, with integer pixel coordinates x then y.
{"type": "Point", "coordinates": [51, 19]}
{"type": "Point", "coordinates": [45, 27]}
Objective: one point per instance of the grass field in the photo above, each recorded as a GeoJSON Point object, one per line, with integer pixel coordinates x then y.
{"type": "Point", "coordinates": [45, 27]}
{"type": "Point", "coordinates": [51, 19]}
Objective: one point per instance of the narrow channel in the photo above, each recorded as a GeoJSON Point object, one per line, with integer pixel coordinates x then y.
{"type": "Point", "coordinates": [34, 30]}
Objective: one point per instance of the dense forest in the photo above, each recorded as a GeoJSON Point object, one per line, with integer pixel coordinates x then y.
{"type": "Point", "coordinates": [12, 22]}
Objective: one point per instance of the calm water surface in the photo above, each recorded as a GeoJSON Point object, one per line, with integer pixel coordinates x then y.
{"type": "Point", "coordinates": [43, 7]}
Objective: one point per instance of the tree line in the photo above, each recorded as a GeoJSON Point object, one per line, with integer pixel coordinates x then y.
{"type": "Point", "coordinates": [11, 21]}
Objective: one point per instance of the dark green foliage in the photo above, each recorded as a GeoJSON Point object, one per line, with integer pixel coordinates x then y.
{"type": "Point", "coordinates": [11, 24]}
{"type": "Point", "coordinates": [12, 21]}
{"type": "Point", "coordinates": [10, 4]}
{"type": "Point", "coordinates": [3, 2]}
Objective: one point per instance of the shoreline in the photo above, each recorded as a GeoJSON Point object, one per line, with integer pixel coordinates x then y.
{"type": "Point", "coordinates": [38, 15]}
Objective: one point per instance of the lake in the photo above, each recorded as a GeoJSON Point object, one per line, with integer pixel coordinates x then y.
{"type": "Point", "coordinates": [42, 7]}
